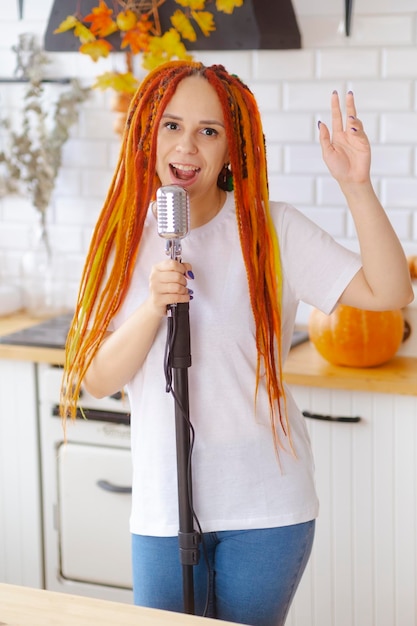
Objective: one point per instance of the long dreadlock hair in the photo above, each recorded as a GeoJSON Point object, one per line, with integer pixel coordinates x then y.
{"type": "Point", "coordinates": [120, 226]}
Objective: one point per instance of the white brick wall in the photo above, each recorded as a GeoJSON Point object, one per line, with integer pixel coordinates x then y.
{"type": "Point", "coordinates": [293, 87]}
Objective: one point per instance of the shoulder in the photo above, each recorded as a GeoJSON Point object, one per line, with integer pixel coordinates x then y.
{"type": "Point", "coordinates": [287, 219]}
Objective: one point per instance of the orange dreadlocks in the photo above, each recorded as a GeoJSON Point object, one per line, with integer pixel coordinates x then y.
{"type": "Point", "coordinates": [120, 225]}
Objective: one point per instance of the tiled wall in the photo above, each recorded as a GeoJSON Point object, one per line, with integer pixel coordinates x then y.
{"type": "Point", "coordinates": [378, 61]}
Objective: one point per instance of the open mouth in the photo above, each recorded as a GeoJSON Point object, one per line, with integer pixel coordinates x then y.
{"type": "Point", "coordinates": [184, 172]}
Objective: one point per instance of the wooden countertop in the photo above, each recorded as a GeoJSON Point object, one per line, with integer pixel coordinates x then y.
{"type": "Point", "coordinates": [304, 365]}
{"type": "Point", "coordinates": [24, 606]}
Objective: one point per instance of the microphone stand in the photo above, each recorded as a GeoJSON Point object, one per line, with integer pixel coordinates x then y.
{"type": "Point", "coordinates": [179, 361]}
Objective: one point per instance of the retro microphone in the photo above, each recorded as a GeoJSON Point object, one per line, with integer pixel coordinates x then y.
{"type": "Point", "coordinates": [173, 217]}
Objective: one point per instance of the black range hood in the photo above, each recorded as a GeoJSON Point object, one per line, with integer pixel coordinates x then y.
{"type": "Point", "coordinates": [256, 25]}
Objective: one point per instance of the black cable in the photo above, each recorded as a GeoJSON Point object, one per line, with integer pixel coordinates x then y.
{"type": "Point", "coordinates": [167, 355]}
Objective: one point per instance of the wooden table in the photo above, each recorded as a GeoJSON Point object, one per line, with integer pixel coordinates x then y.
{"type": "Point", "coordinates": [24, 606]}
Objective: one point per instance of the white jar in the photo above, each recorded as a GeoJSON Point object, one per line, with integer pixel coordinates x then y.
{"type": "Point", "coordinates": [10, 299]}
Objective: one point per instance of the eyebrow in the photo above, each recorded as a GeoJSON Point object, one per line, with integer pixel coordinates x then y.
{"type": "Point", "coordinates": [177, 117]}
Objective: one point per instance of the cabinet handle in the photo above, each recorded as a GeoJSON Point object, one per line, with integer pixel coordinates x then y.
{"type": "Point", "coordinates": [331, 418]}
{"type": "Point", "coordinates": [104, 484]}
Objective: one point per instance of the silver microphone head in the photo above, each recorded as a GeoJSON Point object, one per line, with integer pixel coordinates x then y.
{"type": "Point", "coordinates": [172, 212]}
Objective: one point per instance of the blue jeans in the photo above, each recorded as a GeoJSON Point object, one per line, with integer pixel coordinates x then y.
{"type": "Point", "coordinates": [252, 576]}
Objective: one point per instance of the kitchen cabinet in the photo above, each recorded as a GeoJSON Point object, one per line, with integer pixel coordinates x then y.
{"type": "Point", "coordinates": [21, 537]}
{"type": "Point", "coordinates": [20, 491]}
{"type": "Point", "coordinates": [363, 569]}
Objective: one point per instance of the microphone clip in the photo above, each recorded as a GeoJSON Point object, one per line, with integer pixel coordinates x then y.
{"type": "Point", "coordinates": [173, 249]}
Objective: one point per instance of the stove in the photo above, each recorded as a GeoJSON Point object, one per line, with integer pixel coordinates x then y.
{"type": "Point", "coordinates": [51, 333]}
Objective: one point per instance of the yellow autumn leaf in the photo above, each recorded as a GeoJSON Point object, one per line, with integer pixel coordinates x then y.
{"type": "Point", "coordinates": [119, 82]}
{"type": "Point", "coordinates": [69, 23]}
{"type": "Point", "coordinates": [196, 5]}
{"type": "Point", "coordinates": [96, 49]}
{"type": "Point", "coordinates": [205, 21]}
{"type": "Point", "coordinates": [227, 6]}
{"type": "Point", "coordinates": [165, 48]}
{"type": "Point", "coordinates": [83, 33]}
{"type": "Point", "coordinates": [183, 25]}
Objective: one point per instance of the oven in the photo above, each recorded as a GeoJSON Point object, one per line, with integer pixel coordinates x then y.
{"type": "Point", "coordinates": [86, 487]}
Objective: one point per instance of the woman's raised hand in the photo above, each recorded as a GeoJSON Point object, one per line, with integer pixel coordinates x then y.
{"type": "Point", "coordinates": [346, 151]}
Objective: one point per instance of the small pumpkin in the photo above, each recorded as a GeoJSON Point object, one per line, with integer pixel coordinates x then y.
{"type": "Point", "coordinates": [355, 337]}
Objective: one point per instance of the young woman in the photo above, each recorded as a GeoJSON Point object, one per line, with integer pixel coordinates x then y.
{"type": "Point", "coordinates": [247, 262]}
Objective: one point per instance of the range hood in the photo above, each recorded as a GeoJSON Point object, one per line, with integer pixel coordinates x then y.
{"type": "Point", "coordinates": [256, 25]}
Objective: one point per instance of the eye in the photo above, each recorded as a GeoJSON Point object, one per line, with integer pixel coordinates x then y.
{"type": "Point", "coordinates": [171, 125]}
{"type": "Point", "coordinates": [209, 132]}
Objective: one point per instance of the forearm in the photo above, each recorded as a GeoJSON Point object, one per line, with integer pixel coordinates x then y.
{"type": "Point", "coordinates": [386, 276]}
{"type": "Point", "coordinates": [123, 352]}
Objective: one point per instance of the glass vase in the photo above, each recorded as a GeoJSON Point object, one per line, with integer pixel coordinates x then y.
{"type": "Point", "coordinates": [40, 290]}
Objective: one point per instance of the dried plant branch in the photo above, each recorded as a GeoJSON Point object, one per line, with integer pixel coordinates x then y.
{"type": "Point", "coordinates": [32, 157]}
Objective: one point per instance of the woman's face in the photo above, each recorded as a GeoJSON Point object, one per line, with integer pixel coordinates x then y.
{"type": "Point", "coordinates": [192, 146]}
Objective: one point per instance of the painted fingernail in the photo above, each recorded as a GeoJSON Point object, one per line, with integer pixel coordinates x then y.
{"type": "Point", "coordinates": [190, 291]}
{"type": "Point", "coordinates": [352, 117]}
{"type": "Point", "coordinates": [350, 92]}
{"type": "Point", "coordinates": [319, 124]}
{"type": "Point", "coordinates": [334, 92]}
{"type": "Point", "coordinates": [189, 274]}
{"type": "Point", "coordinates": [355, 130]}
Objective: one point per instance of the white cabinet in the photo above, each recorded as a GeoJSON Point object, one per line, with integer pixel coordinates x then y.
{"type": "Point", "coordinates": [363, 570]}
{"type": "Point", "coordinates": [20, 492]}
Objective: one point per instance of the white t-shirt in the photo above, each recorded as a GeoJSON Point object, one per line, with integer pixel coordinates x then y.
{"type": "Point", "coordinates": [238, 482]}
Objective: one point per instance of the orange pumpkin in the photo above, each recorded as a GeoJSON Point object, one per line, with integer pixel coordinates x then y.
{"type": "Point", "coordinates": [354, 337]}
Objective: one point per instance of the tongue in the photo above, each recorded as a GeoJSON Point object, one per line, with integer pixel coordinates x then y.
{"type": "Point", "coordinates": [184, 174]}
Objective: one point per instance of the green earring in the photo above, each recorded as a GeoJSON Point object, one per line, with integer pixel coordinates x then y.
{"type": "Point", "coordinates": [226, 178]}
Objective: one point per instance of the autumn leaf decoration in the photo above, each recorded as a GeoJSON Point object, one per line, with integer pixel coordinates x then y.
{"type": "Point", "coordinates": [137, 22]}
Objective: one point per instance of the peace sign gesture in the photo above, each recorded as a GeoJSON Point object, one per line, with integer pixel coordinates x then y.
{"type": "Point", "coordinates": [346, 151]}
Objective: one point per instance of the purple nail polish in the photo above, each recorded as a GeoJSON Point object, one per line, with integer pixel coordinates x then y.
{"type": "Point", "coordinates": [189, 274]}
